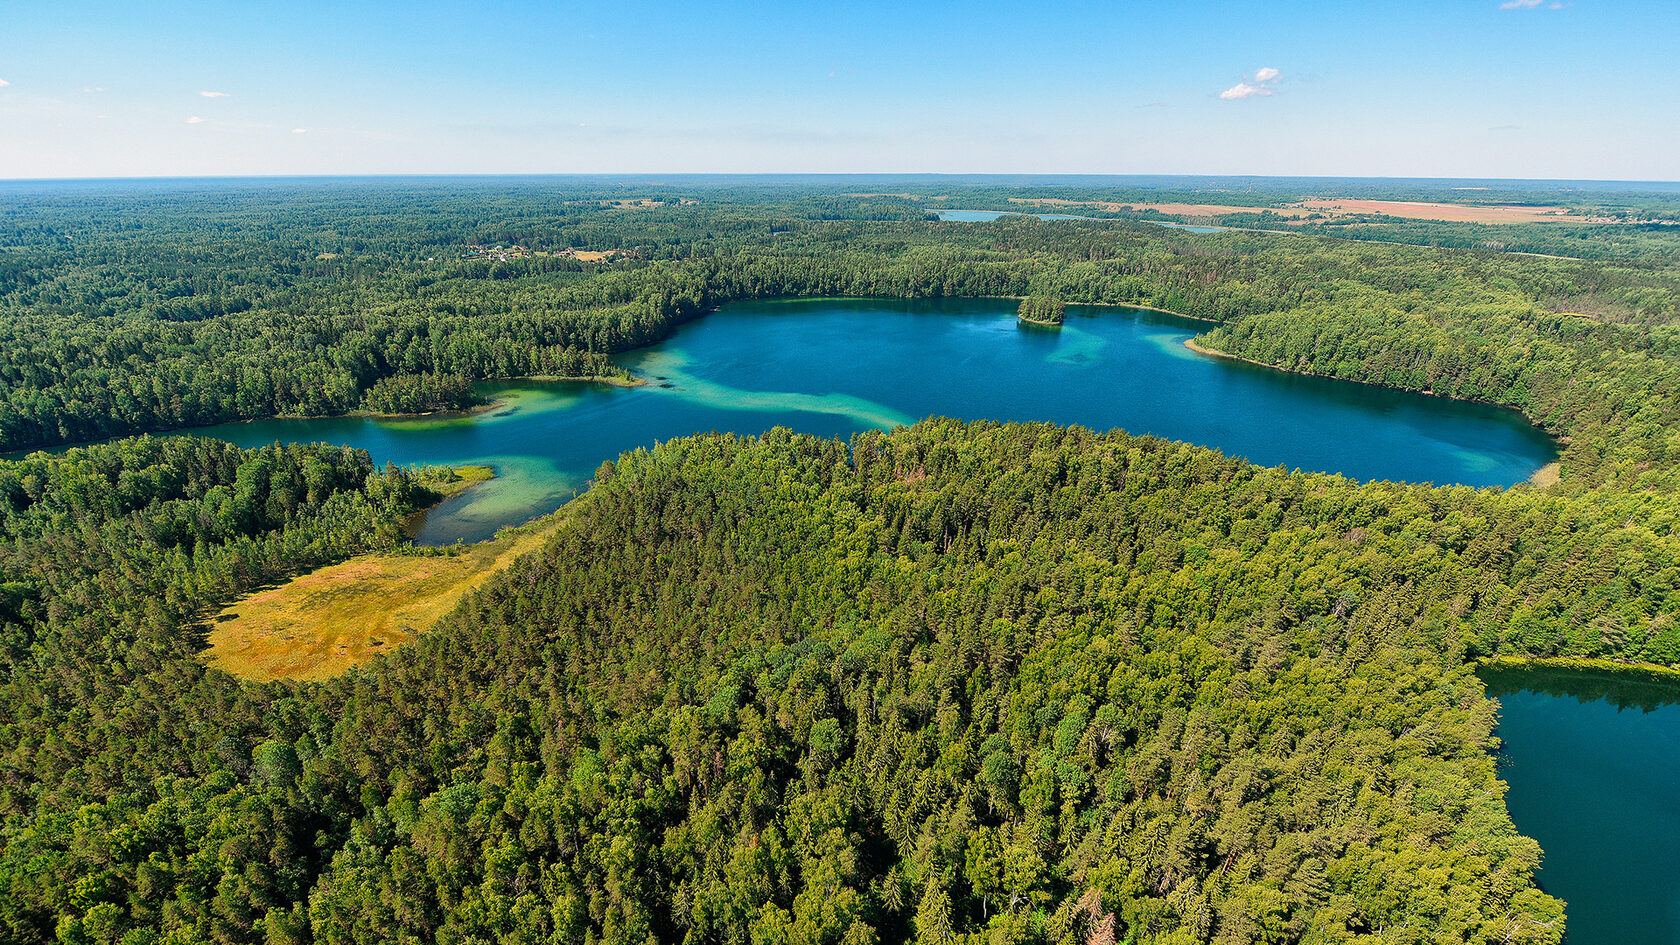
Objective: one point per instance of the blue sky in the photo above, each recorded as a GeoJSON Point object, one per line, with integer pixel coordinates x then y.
{"type": "Point", "coordinates": [1473, 88]}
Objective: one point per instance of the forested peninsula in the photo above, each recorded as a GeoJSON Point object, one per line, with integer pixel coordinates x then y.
{"type": "Point", "coordinates": [954, 682]}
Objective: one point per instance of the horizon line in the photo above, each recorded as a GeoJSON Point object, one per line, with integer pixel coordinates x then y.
{"type": "Point", "coordinates": [159, 178]}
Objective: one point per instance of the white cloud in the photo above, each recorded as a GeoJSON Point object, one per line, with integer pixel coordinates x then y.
{"type": "Point", "coordinates": [91, 89]}
{"type": "Point", "coordinates": [226, 94]}
{"type": "Point", "coordinates": [195, 120]}
{"type": "Point", "coordinates": [300, 131]}
{"type": "Point", "coordinates": [1262, 83]}
{"type": "Point", "coordinates": [1519, 4]}
{"type": "Point", "coordinates": [1243, 90]}
{"type": "Point", "coordinates": [4, 83]}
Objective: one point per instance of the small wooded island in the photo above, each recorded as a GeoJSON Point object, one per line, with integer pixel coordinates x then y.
{"type": "Point", "coordinates": [1042, 310]}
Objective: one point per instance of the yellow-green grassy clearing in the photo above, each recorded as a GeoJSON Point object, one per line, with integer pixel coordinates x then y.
{"type": "Point", "coordinates": [320, 624]}
{"type": "Point", "coordinates": [1546, 476]}
{"type": "Point", "coordinates": [464, 477]}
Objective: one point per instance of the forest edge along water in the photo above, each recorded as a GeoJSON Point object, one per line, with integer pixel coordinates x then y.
{"type": "Point", "coordinates": [1542, 477]}
{"type": "Point", "coordinates": [834, 367]}
{"type": "Point", "coordinates": [1591, 754]}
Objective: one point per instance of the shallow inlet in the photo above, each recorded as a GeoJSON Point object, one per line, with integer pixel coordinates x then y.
{"type": "Point", "coordinates": [833, 367]}
{"type": "Point", "coordinates": [1593, 762]}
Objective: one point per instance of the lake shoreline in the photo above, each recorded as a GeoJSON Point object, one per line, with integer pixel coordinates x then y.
{"type": "Point", "coordinates": [508, 402]}
{"type": "Point", "coordinates": [785, 299]}
{"type": "Point", "coordinates": [377, 415]}
{"type": "Point", "coordinates": [1579, 664]}
{"type": "Point", "coordinates": [608, 379]}
{"type": "Point", "coordinates": [1544, 477]}
{"type": "Point", "coordinates": [611, 380]}
{"type": "Point", "coordinates": [466, 477]}
{"type": "Point", "coordinates": [1583, 745]}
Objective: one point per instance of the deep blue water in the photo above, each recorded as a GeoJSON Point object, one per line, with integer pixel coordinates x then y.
{"type": "Point", "coordinates": [833, 367]}
{"type": "Point", "coordinates": [1593, 764]}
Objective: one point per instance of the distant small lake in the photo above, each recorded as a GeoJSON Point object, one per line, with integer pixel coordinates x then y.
{"type": "Point", "coordinates": [986, 216]}
{"type": "Point", "coordinates": [834, 367]}
{"type": "Point", "coordinates": [1593, 764]}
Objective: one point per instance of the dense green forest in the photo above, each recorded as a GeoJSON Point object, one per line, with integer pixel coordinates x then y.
{"type": "Point", "coordinates": [420, 393]}
{"type": "Point", "coordinates": [118, 322]}
{"type": "Point", "coordinates": [957, 682]}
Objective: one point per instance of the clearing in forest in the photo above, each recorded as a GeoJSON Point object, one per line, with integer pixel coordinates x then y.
{"type": "Point", "coordinates": [319, 624]}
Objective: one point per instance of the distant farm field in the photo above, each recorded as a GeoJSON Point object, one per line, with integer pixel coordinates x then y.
{"type": "Point", "coordinates": [1330, 207]}
{"type": "Point", "coordinates": [1445, 212]}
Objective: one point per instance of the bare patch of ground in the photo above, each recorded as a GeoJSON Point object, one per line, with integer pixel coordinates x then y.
{"type": "Point", "coordinates": [319, 624]}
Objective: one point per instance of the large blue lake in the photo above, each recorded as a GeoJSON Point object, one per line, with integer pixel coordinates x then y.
{"type": "Point", "coordinates": [834, 367]}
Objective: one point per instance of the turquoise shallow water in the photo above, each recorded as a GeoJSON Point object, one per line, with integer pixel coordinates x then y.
{"type": "Point", "coordinates": [1593, 764]}
{"type": "Point", "coordinates": [833, 367]}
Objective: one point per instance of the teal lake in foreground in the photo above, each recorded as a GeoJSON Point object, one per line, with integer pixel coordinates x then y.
{"type": "Point", "coordinates": [1593, 764]}
{"type": "Point", "coordinates": [834, 367]}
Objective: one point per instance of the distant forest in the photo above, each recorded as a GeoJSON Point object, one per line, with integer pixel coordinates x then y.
{"type": "Point", "coordinates": [952, 683]}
